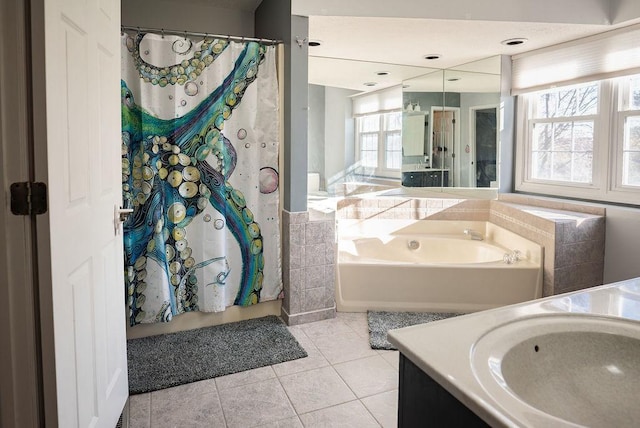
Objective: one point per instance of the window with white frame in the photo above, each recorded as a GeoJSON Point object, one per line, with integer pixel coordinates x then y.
{"type": "Point", "coordinates": [562, 125]}
{"type": "Point", "coordinates": [380, 142]}
{"type": "Point", "coordinates": [369, 136]}
{"type": "Point", "coordinates": [582, 141]}
{"type": "Point", "coordinates": [393, 141]}
{"type": "Point", "coordinates": [629, 117]}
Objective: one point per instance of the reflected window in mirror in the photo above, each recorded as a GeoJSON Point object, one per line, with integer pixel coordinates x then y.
{"type": "Point", "coordinates": [380, 144]}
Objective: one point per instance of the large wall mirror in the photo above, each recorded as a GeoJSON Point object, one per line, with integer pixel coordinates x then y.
{"type": "Point", "coordinates": [450, 129]}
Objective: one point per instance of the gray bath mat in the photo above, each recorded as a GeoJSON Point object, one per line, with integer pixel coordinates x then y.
{"type": "Point", "coordinates": [380, 322]}
{"type": "Point", "coordinates": [167, 360]}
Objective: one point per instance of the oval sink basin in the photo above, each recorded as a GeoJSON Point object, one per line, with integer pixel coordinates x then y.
{"type": "Point", "coordinates": [563, 370]}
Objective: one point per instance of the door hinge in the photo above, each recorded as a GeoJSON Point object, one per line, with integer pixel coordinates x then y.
{"type": "Point", "coordinates": [28, 198]}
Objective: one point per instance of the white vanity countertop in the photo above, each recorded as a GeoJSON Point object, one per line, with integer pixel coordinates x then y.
{"type": "Point", "coordinates": [443, 349]}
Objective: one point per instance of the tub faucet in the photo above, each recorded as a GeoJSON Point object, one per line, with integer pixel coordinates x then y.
{"type": "Point", "coordinates": [476, 236]}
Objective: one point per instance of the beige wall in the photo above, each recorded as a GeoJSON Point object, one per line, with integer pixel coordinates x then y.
{"type": "Point", "coordinates": [622, 244]}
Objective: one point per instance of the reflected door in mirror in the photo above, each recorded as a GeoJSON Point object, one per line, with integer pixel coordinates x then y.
{"type": "Point", "coordinates": [486, 145]}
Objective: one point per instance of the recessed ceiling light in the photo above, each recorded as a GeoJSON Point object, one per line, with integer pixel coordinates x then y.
{"type": "Point", "coordinates": [382, 73]}
{"type": "Point", "coordinates": [432, 56]}
{"type": "Point", "coordinates": [370, 84]}
{"type": "Point", "coordinates": [313, 43]}
{"type": "Point", "coordinates": [514, 42]}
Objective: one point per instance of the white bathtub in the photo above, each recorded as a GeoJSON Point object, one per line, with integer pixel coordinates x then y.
{"type": "Point", "coordinates": [445, 271]}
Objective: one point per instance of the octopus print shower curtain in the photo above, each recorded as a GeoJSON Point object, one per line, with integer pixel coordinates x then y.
{"type": "Point", "coordinates": [199, 169]}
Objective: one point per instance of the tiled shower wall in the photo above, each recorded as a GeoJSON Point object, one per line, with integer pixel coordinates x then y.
{"type": "Point", "coordinates": [308, 268]}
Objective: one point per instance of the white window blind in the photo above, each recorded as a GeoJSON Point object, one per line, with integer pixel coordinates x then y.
{"type": "Point", "coordinates": [382, 101]}
{"type": "Point", "coordinates": [611, 54]}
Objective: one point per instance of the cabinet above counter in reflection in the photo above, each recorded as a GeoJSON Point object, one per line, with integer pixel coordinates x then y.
{"type": "Point", "coordinates": [413, 133]}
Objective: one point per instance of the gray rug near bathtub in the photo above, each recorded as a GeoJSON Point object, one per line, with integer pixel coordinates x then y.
{"type": "Point", "coordinates": [380, 322]}
{"type": "Point", "coordinates": [166, 360]}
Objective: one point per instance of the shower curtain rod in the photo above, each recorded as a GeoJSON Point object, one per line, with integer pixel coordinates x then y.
{"type": "Point", "coordinates": [192, 33]}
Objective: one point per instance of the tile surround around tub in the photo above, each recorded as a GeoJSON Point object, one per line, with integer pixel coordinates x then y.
{"type": "Point", "coordinates": [413, 208]}
{"type": "Point", "coordinates": [571, 233]}
{"type": "Point", "coordinates": [308, 268]}
{"type": "Point", "coordinates": [574, 243]}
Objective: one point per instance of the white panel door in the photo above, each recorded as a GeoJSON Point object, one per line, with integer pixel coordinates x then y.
{"type": "Point", "coordinates": [83, 155]}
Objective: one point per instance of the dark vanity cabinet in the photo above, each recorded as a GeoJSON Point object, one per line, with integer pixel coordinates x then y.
{"type": "Point", "coordinates": [428, 178]}
{"type": "Point", "coordinates": [412, 179]}
{"type": "Point", "coordinates": [422, 402]}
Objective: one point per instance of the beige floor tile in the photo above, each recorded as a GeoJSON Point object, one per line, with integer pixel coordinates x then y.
{"type": "Point", "coordinates": [269, 397]}
{"type": "Point", "coordinates": [384, 407]}
{"type": "Point", "coordinates": [343, 347]}
{"type": "Point", "coordinates": [325, 328]}
{"type": "Point", "coordinates": [293, 422]}
{"type": "Point", "coordinates": [140, 411]}
{"type": "Point", "coordinates": [352, 316]}
{"type": "Point", "coordinates": [357, 321]}
{"type": "Point", "coordinates": [360, 329]}
{"type": "Point", "coordinates": [186, 405]}
{"type": "Point", "coordinates": [300, 335]}
{"type": "Point", "coordinates": [316, 389]}
{"type": "Point", "coordinates": [368, 376]}
{"type": "Point", "coordinates": [392, 357]}
{"type": "Point", "coordinates": [192, 389]}
{"type": "Point", "coordinates": [348, 415]}
{"type": "Point", "coordinates": [255, 404]}
{"type": "Point", "coordinates": [314, 360]}
{"type": "Point", "coordinates": [245, 377]}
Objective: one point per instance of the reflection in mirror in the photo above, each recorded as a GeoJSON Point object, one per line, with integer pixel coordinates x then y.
{"type": "Point", "coordinates": [399, 140]}
{"type": "Point", "coordinates": [421, 163]}
{"type": "Point", "coordinates": [354, 130]}
{"type": "Point", "coordinates": [460, 127]}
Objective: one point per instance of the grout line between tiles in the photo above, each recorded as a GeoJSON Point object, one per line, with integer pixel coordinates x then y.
{"type": "Point", "coordinates": [288, 398]}
{"type": "Point", "coordinates": [224, 416]}
{"type": "Point", "coordinates": [369, 411]}
{"type": "Point", "coordinates": [151, 409]}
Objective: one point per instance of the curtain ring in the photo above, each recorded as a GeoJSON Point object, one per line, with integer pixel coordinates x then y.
{"type": "Point", "coordinates": [185, 35]}
{"type": "Point", "coordinates": [162, 32]}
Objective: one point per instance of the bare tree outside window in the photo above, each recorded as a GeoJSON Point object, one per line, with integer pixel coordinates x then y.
{"type": "Point", "coordinates": [582, 141]}
{"type": "Point", "coordinates": [563, 134]}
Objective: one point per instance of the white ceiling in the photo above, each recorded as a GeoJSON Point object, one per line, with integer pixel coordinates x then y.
{"type": "Point", "coordinates": [354, 48]}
